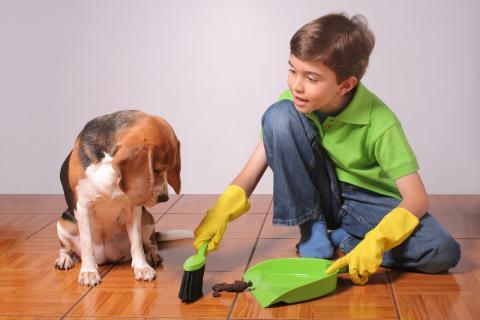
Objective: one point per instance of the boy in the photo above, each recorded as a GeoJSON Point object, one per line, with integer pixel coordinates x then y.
{"type": "Point", "coordinates": [340, 161]}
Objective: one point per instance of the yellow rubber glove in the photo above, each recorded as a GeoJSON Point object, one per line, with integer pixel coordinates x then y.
{"type": "Point", "coordinates": [231, 204]}
{"type": "Point", "coordinates": [366, 257]}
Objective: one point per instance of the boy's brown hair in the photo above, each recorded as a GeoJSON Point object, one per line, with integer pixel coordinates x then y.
{"type": "Point", "coordinates": [343, 44]}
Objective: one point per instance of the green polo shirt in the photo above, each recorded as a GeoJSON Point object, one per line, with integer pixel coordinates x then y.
{"type": "Point", "coordinates": [366, 143]}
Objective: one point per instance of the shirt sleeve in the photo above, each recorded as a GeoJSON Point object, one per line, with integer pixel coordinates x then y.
{"type": "Point", "coordinates": [394, 154]}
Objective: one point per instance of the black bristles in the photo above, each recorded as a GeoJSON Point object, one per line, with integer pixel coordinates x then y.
{"type": "Point", "coordinates": [191, 287]}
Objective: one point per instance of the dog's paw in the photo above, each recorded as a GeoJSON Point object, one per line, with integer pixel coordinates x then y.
{"type": "Point", "coordinates": [64, 262]}
{"type": "Point", "coordinates": [89, 278]}
{"type": "Point", "coordinates": [153, 257]}
{"type": "Point", "coordinates": [145, 273]}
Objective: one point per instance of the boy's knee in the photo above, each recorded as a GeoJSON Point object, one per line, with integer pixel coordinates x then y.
{"type": "Point", "coordinates": [446, 254]}
{"type": "Point", "coordinates": [278, 117]}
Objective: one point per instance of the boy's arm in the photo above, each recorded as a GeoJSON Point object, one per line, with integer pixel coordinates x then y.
{"type": "Point", "coordinates": [253, 170]}
{"type": "Point", "coordinates": [233, 202]}
{"type": "Point", "coordinates": [414, 195]}
{"type": "Point", "coordinates": [391, 231]}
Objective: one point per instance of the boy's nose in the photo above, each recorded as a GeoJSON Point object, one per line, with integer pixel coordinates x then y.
{"type": "Point", "coordinates": [297, 85]}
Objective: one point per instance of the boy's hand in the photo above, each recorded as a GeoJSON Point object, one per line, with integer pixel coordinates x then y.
{"type": "Point", "coordinates": [366, 257]}
{"type": "Point", "coordinates": [230, 205]}
{"type": "Point", "coordinates": [362, 261]}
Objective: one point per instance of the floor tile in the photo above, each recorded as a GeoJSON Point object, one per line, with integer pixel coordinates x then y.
{"type": "Point", "coordinates": [446, 306]}
{"type": "Point", "coordinates": [460, 224]}
{"type": "Point", "coordinates": [51, 230]}
{"type": "Point", "coordinates": [29, 290]}
{"type": "Point", "coordinates": [38, 254]}
{"type": "Point", "coordinates": [464, 277]}
{"type": "Point", "coordinates": [247, 226]}
{"type": "Point", "coordinates": [274, 231]}
{"type": "Point", "coordinates": [232, 256]}
{"type": "Point", "coordinates": [452, 295]}
{"type": "Point", "coordinates": [18, 225]}
{"type": "Point", "coordinates": [274, 248]}
{"type": "Point", "coordinates": [6, 243]}
{"type": "Point", "coordinates": [198, 203]}
{"type": "Point", "coordinates": [120, 295]}
{"type": "Point", "coordinates": [170, 222]}
{"type": "Point", "coordinates": [197, 317]}
{"type": "Point", "coordinates": [55, 204]}
{"type": "Point", "coordinates": [28, 318]}
{"type": "Point", "coordinates": [162, 207]}
{"type": "Point", "coordinates": [454, 204]}
{"type": "Point", "coordinates": [32, 286]}
{"type": "Point", "coordinates": [32, 203]}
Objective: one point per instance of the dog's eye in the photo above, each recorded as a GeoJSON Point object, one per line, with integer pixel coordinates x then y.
{"type": "Point", "coordinates": [157, 171]}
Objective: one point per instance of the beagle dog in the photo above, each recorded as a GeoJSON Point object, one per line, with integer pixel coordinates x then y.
{"type": "Point", "coordinates": [120, 164]}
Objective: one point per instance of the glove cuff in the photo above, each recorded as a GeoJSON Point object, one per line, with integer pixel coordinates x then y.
{"type": "Point", "coordinates": [233, 201]}
{"type": "Point", "coordinates": [394, 228]}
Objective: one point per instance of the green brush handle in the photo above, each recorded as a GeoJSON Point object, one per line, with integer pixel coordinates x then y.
{"type": "Point", "coordinates": [202, 250]}
{"type": "Point", "coordinates": [196, 261]}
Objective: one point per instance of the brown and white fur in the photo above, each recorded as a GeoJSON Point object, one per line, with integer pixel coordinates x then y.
{"type": "Point", "coordinates": [120, 163]}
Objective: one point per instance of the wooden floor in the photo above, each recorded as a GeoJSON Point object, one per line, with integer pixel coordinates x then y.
{"type": "Point", "coordinates": [30, 287]}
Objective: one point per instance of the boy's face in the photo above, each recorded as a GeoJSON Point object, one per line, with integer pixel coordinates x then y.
{"type": "Point", "coordinates": [314, 86]}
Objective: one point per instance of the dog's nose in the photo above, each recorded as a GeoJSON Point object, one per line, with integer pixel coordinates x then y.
{"type": "Point", "coordinates": [162, 198]}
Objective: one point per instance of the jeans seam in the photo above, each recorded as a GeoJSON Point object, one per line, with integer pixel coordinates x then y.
{"type": "Point", "coordinates": [304, 218]}
{"type": "Point", "coordinates": [342, 212]}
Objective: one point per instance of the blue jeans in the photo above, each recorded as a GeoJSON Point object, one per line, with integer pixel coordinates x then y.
{"type": "Point", "coordinates": [305, 187]}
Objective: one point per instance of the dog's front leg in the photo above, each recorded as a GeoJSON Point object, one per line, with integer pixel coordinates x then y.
{"type": "Point", "coordinates": [141, 269]}
{"type": "Point", "coordinates": [89, 275]}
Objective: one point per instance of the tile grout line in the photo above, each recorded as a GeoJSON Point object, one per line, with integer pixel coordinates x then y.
{"type": "Point", "coordinates": [85, 294]}
{"type": "Point", "coordinates": [173, 204]}
{"type": "Point", "coordinates": [13, 244]}
{"type": "Point", "coordinates": [120, 317]}
{"type": "Point", "coordinates": [28, 237]}
{"type": "Point", "coordinates": [250, 258]}
{"type": "Point", "coordinates": [166, 211]}
{"type": "Point", "coordinates": [55, 219]}
{"type": "Point", "coordinates": [29, 212]}
{"type": "Point", "coordinates": [394, 297]}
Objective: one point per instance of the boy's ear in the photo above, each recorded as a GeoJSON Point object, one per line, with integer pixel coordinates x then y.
{"type": "Point", "coordinates": [347, 85]}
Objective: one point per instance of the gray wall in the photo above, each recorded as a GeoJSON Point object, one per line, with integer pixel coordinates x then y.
{"type": "Point", "coordinates": [212, 67]}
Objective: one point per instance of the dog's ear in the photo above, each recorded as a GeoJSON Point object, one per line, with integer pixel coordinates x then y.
{"type": "Point", "coordinates": [134, 168]}
{"type": "Point", "coordinates": [173, 174]}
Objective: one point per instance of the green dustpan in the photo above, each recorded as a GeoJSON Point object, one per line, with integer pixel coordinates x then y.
{"type": "Point", "coordinates": [291, 280]}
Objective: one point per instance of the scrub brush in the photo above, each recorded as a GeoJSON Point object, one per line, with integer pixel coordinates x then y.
{"type": "Point", "coordinates": [192, 281]}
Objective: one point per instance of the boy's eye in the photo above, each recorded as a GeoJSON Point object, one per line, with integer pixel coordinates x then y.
{"type": "Point", "coordinates": [311, 79]}
{"type": "Point", "coordinates": [292, 71]}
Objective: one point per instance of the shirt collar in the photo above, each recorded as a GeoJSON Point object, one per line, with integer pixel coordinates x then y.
{"type": "Point", "coordinates": [358, 110]}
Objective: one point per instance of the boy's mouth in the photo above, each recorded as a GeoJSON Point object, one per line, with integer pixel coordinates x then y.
{"type": "Point", "coordinates": [299, 101]}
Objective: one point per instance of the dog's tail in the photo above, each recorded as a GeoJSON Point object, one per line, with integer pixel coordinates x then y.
{"type": "Point", "coordinates": [170, 235]}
